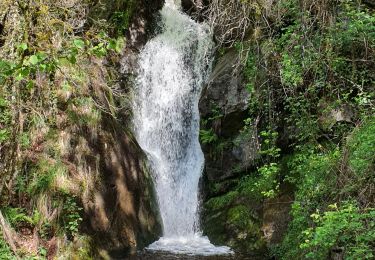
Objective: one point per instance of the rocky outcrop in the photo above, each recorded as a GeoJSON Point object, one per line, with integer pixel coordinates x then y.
{"type": "Point", "coordinates": [229, 216]}
{"type": "Point", "coordinates": [142, 25]}
{"type": "Point", "coordinates": [194, 7]}
{"type": "Point", "coordinates": [96, 187]}
{"type": "Point", "coordinates": [276, 217]}
{"type": "Point", "coordinates": [121, 209]}
{"type": "Point", "coordinates": [123, 213]}
{"type": "Point", "coordinates": [224, 104]}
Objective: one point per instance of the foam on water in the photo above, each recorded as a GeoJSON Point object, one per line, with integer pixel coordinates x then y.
{"type": "Point", "coordinates": [173, 68]}
{"type": "Point", "coordinates": [190, 245]}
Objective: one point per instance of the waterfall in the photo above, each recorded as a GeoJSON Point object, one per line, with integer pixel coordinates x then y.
{"type": "Point", "coordinates": [173, 68]}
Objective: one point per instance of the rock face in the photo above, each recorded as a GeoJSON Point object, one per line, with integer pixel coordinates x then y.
{"type": "Point", "coordinates": [230, 217]}
{"type": "Point", "coordinates": [122, 213]}
{"type": "Point", "coordinates": [225, 89]}
{"type": "Point", "coordinates": [224, 105]}
{"type": "Point", "coordinates": [142, 24]}
{"type": "Point", "coordinates": [121, 210]}
{"type": "Point", "coordinates": [276, 217]}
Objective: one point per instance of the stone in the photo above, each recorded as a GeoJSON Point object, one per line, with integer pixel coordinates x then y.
{"type": "Point", "coordinates": [226, 94]}
{"type": "Point", "coordinates": [330, 115]}
{"type": "Point", "coordinates": [225, 89]}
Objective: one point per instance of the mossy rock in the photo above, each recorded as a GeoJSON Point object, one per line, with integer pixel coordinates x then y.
{"type": "Point", "coordinates": [236, 226]}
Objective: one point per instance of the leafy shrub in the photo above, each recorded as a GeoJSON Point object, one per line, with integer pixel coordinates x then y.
{"type": "Point", "coordinates": [71, 215]}
{"type": "Point", "coordinates": [346, 227]}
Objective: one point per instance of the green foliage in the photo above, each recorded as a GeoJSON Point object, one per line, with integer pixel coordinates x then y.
{"type": "Point", "coordinates": [269, 147]}
{"type": "Point", "coordinates": [5, 118]}
{"type": "Point", "coordinates": [241, 218]}
{"type": "Point", "coordinates": [71, 251]}
{"type": "Point", "coordinates": [312, 171]}
{"type": "Point", "coordinates": [6, 69]}
{"type": "Point", "coordinates": [291, 72]}
{"type": "Point", "coordinates": [207, 136]}
{"type": "Point", "coordinates": [5, 252]}
{"type": "Point", "coordinates": [83, 111]}
{"type": "Point", "coordinates": [46, 50]}
{"type": "Point", "coordinates": [121, 21]}
{"type": "Point", "coordinates": [311, 82]}
{"type": "Point", "coordinates": [18, 217]}
{"type": "Point", "coordinates": [220, 202]}
{"type": "Point", "coordinates": [71, 215]}
{"type": "Point", "coordinates": [250, 71]}
{"type": "Point", "coordinates": [267, 183]}
{"type": "Point", "coordinates": [362, 149]}
{"type": "Point", "coordinates": [345, 227]}
{"type": "Point", "coordinates": [318, 227]}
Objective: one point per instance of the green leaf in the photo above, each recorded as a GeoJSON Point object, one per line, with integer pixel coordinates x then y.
{"type": "Point", "coordinates": [34, 59]}
{"type": "Point", "coordinates": [43, 67]}
{"type": "Point", "coordinates": [79, 43]}
{"type": "Point", "coordinates": [41, 56]}
{"type": "Point", "coordinates": [30, 85]}
{"type": "Point", "coordinates": [4, 135]}
{"type": "Point", "coordinates": [3, 102]}
{"type": "Point", "coordinates": [63, 61]}
{"type": "Point", "coordinates": [23, 46]}
{"type": "Point", "coordinates": [72, 59]}
{"type": "Point", "coordinates": [22, 73]}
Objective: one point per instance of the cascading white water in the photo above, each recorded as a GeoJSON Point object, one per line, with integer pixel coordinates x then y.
{"type": "Point", "coordinates": [173, 68]}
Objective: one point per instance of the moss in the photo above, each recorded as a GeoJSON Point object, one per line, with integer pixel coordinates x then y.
{"type": "Point", "coordinates": [249, 235]}
{"type": "Point", "coordinates": [81, 248]}
{"type": "Point", "coordinates": [227, 222]}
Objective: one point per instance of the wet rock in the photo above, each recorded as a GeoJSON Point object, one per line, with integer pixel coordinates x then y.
{"type": "Point", "coordinates": [121, 212]}
{"type": "Point", "coordinates": [226, 95]}
{"type": "Point", "coordinates": [237, 225]}
{"type": "Point", "coordinates": [369, 3]}
{"type": "Point", "coordinates": [143, 23]}
{"type": "Point", "coordinates": [228, 217]}
{"type": "Point", "coordinates": [195, 8]}
{"type": "Point", "coordinates": [226, 89]}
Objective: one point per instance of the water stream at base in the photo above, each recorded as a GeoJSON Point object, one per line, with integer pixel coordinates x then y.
{"type": "Point", "coordinates": [173, 68]}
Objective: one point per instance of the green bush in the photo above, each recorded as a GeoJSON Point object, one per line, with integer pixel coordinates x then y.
{"type": "Point", "coordinates": [19, 216]}
{"type": "Point", "coordinates": [320, 222]}
{"type": "Point", "coordinates": [71, 215]}
{"type": "Point", "coordinates": [346, 227]}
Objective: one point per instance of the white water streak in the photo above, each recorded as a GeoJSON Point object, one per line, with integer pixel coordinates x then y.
{"type": "Point", "coordinates": [173, 68]}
